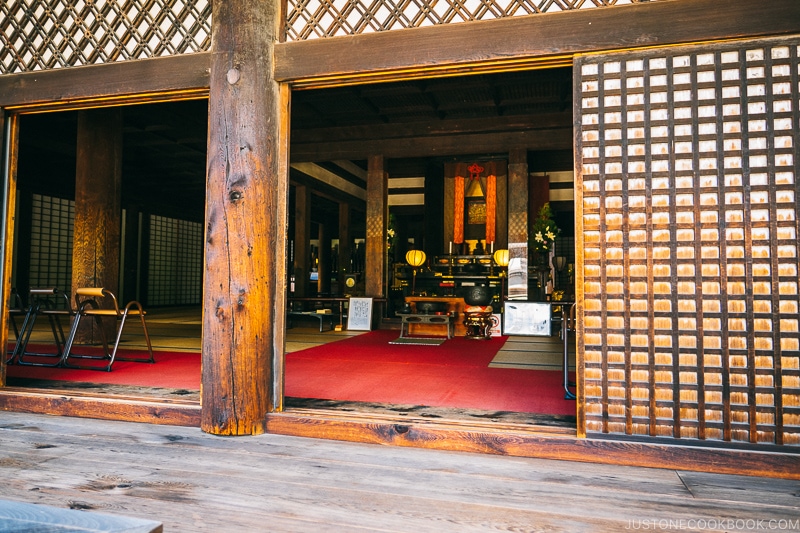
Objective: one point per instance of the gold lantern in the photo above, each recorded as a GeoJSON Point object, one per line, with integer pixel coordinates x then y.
{"type": "Point", "coordinates": [501, 258]}
{"type": "Point", "coordinates": [415, 258]}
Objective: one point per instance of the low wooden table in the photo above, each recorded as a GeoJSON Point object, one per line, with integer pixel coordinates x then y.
{"type": "Point", "coordinates": [455, 307]}
{"type": "Point", "coordinates": [319, 316]}
{"type": "Point", "coordinates": [426, 318]}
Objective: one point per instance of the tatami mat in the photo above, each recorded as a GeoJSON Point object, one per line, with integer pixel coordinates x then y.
{"type": "Point", "coordinates": [534, 353]}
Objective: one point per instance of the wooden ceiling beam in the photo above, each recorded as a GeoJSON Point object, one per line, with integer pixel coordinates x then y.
{"type": "Point", "coordinates": [142, 80]}
{"type": "Point", "coordinates": [519, 42]}
{"type": "Point", "coordinates": [433, 128]}
{"type": "Point", "coordinates": [455, 144]}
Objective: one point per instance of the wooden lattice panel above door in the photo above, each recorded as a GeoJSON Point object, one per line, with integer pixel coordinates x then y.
{"type": "Point", "coordinates": [687, 162]}
{"type": "Point", "coordinates": [38, 35]}
{"type": "Point", "coordinates": [312, 19]}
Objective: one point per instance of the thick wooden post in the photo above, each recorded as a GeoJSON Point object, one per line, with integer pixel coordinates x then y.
{"type": "Point", "coordinates": [98, 207]}
{"type": "Point", "coordinates": [377, 215]}
{"type": "Point", "coordinates": [245, 221]}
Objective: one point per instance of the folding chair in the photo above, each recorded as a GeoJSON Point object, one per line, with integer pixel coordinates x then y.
{"type": "Point", "coordinates": [55, 305]}
{"type": "Point", "coordinates": [87, 303]}
{"type": "Point", "coordinates": [16, 309]}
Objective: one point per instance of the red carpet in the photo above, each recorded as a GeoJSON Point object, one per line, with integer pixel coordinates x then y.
{"type": "Point", "coordinates": [174, 370]}
{"type": "Point", "coordinates": [365, 368]}
{"type": "Point", "coordinates": [455, 374]}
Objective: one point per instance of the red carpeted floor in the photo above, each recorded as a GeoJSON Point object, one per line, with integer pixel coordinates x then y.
{"type": "Point", "coordinates": [455, 374]}
{"type": "Point", "coordinates": [366, 368]}
{"type": "Point", "coordinates": [172, 370]}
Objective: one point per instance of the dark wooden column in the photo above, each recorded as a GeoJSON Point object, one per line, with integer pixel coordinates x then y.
{"type": "Point", "coordinates": [324, 265]}
{"type": "Point", "coordinates": [302, 238]}
{"type": "Point", "coordinates": [345, 244]}
{"type": "Point", "coordinates": [436, 241]}
{"type": "Point", "coordinates": [131, 261]}
{"type": "Point", "coordinates": [23, 225]}
{"type": "Point", "coordinates": [98, 210]}
{"type": "Point", "coordinates": [246, 188]}
{"type": "Point", "coordinates": [9, 136]}
{"type": "Point", "coordinates": [377, 216]}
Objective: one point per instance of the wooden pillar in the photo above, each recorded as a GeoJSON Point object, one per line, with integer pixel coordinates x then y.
{"type": "Point", "coordinates": [324, 265]}
{"type": "Point", "coordinates": [437, 241]}
{"type": "Point", "coordinates": [98, 209]}
{"type": "Point", "coordinates": [302, 240]}
{"type": "Point", "coordinates": [345, 244]}
{"type": "Point", "coordinates": [518, 221]}
{"type": "Point", "coordinates": [243, 315]}
{"type": "Point", "coordinates": [377, 216]}
{"type": "Point", "coordinates": [23, 225]}
{"type": "Point", "coordinates": [131, 258]}
{"type": "Point", "coordinates": [9, 136]}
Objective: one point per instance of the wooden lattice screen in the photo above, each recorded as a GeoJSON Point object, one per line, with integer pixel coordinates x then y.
{"type": "Point", "coordinates": [687, 184]}
{"type": "Point", "coordinates": [39, 35]}
{"type": "Point", "coordinates": [311, 19]}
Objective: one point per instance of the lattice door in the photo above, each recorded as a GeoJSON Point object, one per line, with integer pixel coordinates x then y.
{"type": "Point", "coordinates": [687, 188]}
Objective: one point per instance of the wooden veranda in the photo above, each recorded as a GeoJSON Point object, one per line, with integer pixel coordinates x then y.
{"type": "Point", "coordinates": [644, 396]}
{"type": "Point", "coordinates": [195, 482]}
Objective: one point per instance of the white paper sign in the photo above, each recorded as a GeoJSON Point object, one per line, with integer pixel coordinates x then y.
{"type": "Point", "coordinates": [359, 314]}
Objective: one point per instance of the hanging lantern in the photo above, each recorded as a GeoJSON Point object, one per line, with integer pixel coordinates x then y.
{"type": "Point", "coordinates": [415, 258]}
{"type": "Point", "coordinates": [501, 258]}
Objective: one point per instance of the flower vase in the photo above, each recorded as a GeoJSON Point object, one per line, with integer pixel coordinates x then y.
{"type": "Point", "coordinates": [541, 266]}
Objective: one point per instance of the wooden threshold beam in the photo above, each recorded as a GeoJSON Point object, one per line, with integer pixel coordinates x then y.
{"type": "Point", "coordinates": [540, 442]}
{"type": "Point", "coordinates": [174, 77]}
{"type": "Point", "coordinates": [125, 408]}
{"type": "Point", "coordinates": [526, 42]}
{"type": "Point", "coordinates": [544, 442]}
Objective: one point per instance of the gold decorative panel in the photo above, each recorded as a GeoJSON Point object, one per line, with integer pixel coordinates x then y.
{"type": "Point", "coordinates": [688, 192]}
{"type": "Point", "coordinates": [312, 19]}
{"type": "Point", "coordinates": [39, 35]}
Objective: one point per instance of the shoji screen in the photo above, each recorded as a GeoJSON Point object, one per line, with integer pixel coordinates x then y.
{"type": "Point", "coordinates": [175, 269]}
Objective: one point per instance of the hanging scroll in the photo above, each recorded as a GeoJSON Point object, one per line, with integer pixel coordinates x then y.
{"type": "Point", "coordinates": [458, 211]}
{"type": "Point", "coordinates": [491, 207]}
{"type": "Point", "coordinates": [475, 209]}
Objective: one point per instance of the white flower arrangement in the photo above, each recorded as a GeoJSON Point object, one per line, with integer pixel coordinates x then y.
{"type": "Point", "coordinates": [544, 230]}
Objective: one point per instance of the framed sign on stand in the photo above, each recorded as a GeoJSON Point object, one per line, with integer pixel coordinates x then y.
{"type": "Point", "coordinates": [527, 318]}
{"type": "Point", "coordinates": [359, 314]}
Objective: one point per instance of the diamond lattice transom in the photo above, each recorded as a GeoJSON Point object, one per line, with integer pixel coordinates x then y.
{"type": "Point", "coordinates": [39, 34]}
{"type": "Point", "coordinates": [310, 19]}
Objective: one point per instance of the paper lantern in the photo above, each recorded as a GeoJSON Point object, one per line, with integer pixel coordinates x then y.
{"type": "Point", "coordinates": [415, 258]}
{"type": "Point", "coordinates": [501, 258]}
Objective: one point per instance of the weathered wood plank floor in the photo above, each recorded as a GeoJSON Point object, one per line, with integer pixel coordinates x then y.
{"type": "Point", "coordinates": [195, 482]}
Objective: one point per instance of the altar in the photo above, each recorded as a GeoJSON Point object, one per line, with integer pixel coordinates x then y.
{"type": "Point", "coordinates": [450, 305]}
